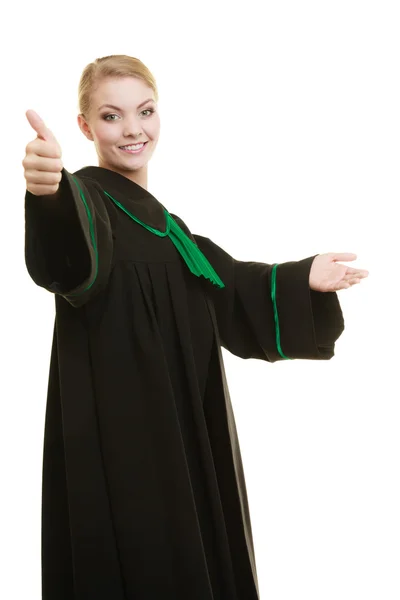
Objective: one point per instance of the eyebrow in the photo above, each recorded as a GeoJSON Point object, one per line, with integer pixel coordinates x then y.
{"type": "Point", "coordinates": [117, 108]}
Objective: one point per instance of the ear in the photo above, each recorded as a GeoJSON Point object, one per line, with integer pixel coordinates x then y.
{"type": "Point", "coordinates": [84, 127]}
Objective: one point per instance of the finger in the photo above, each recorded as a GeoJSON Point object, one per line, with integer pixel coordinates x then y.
{"type": "Point", "coordinates": [357, 272]}
{"type": "Point", "coordinates": [42, 178]}
{"type": "Point", "coordinates": [39, 126]}
{"type": "Point", "coordinates": [43, 148]}
{"type": "Point", "coordinates": [42, 190]}
{"type": "Point", "coordinates": [344, 256]}
{"type": "Point", "coordinates": [343, 285]}
{"type": "Point", "coordinates": [33, 162]}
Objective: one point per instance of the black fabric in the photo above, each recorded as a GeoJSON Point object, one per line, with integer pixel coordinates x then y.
{"type": "Point", "coordinates": [144, 494]}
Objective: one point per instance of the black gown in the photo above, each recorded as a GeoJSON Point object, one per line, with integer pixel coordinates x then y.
{"type": "Point", "coordinates": [144, 495]}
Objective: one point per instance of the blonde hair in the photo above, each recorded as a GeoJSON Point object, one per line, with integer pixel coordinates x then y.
{"type": "Point", "coordinates": [116, 65]}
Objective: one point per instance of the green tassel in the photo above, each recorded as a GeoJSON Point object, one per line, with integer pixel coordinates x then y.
{"type": "Point", "coordinates": [191, 254]}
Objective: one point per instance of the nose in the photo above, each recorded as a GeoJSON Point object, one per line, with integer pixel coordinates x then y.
{"type": "Point", "coordinates": [132, 128]}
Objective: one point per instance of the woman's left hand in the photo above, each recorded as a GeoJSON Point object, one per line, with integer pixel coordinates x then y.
{"type": "Point", "coordinates": [328, 276]}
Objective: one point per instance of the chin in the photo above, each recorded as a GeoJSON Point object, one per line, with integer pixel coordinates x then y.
{"type": "Point", "coordinates": [130, 166]}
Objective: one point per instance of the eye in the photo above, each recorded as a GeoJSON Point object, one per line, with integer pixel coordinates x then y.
{"type": "Point", "coordinates": [109, 117]}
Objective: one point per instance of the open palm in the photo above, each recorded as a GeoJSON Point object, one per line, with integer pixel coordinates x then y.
{"type": "Point", "coordinates": [327, 275]}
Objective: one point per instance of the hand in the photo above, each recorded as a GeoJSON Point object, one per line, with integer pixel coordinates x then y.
{"type": "Point", "coordinates": [328, 276]}
{"type": "Point", "coordinates": [42, 162]}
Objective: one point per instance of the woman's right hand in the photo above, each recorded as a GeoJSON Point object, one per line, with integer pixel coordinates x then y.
{"type": "Point", "coordinates": [42, 162]}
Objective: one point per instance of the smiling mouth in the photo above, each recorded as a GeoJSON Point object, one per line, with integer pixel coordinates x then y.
{"type": "Point", "coordinates": [133, 148]}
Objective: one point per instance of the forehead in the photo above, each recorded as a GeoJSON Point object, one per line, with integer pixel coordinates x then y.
{"type": "Point", "coordinates": [121, 91]}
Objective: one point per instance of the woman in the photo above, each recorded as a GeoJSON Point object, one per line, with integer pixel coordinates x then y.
{"type": "Point", "coordinates": [144, 495]}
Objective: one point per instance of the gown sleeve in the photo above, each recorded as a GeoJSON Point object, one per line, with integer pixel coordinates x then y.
{"type": "Point", "coordinates": [299, 323]}
{"type": "Point", "coordinates": [68, 240]}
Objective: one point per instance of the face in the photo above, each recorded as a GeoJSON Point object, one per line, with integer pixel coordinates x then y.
{"type": "Point", "coordinates": [123, 113]}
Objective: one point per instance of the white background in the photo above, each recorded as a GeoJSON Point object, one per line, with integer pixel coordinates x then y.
{"type": "Point", "coordinates": [279, 140]}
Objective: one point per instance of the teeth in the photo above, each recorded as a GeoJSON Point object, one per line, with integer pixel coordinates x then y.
{"type": "Point", "coordinates": [133, 147]}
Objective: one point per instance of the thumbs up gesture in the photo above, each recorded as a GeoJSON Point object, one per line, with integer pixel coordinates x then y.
{"type": "Point", "coordinates": [42, 162]}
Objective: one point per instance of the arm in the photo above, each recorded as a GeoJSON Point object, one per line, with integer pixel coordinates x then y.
{"type": "Point", "coordinates": [307, 322]}
{"type": "Point", "coordinates": [68, 240]}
